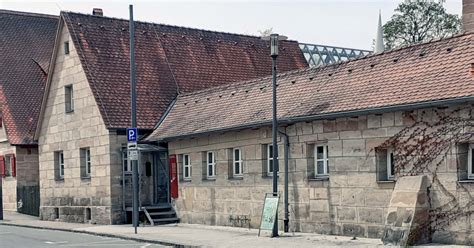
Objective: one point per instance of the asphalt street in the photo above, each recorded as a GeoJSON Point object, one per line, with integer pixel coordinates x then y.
{"type": "Point", "coordinates": [22, 237]}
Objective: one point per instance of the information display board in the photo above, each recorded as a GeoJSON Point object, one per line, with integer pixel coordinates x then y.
{"type": "Point", "coordinates": [269, 212]}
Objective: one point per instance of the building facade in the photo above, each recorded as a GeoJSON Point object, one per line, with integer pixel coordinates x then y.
{"type": "Point", "coordinates": [340, 178]}
{"type": "Point", "coordinates": [84, 174]}
{"type": "Point", "coordinates": [354, 129]}
{"type": "Point", "coordinates": [22, 79]}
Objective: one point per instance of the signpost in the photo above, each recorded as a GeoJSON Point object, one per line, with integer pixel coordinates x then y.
{"type": "Point", "coordinates": [132, 132]}
{"type": "Point", "coordinates": [269, 212]}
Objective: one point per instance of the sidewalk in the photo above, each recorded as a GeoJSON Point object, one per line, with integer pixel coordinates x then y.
{"type": "Point", "coordinates": [193, 235]}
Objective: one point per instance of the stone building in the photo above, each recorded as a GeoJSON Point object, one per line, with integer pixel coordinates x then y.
{"type": "Point", "coordinates": [84, 174]}
{"type": "Point", "coordinates": [25, 60]}
{"type": "Point", "coordinates": [355, 130]}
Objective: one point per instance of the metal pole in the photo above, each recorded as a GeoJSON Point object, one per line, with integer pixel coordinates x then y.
{"type": "Point", "coordinates": [287, 147]}
{"type": "Point", "coordinates": [135, 214]}
{"type": "Point", "coordinates": [1, 198]}
{"type": "Point", "coordinates": [275, 146]}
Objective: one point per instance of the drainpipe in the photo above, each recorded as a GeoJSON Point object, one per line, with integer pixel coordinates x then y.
{"type": "Point", "coordinates": [286, 221]}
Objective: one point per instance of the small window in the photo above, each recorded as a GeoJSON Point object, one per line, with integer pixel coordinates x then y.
{"type": "Point", "coordinates": [210, 165]}
{"type": "Point", "coordinates": [88, 215]}
{"type": "Point", "coordinates": [269, 160]}
{"type": "Point", "coordinates": [59, 165]}
{"type": "Point", "coordinates": [470, 163]}
{"type": "Point", "coordinates": [85, 162]}
{"type": "Point", "coordinates": [69, 98]}
{"type": "Point", "coordinates": [237, 163]}
{"type": "Point", "coordinates": [8, 165]}
{"type": "Point", "coordinates": [385, 165]}
{"type": "Point", "coordinates": [390, 165]}
{"type": "Point", "coordinates": [66, 47]}
{"type": "Point", "coordinates": [187, 167]}
{"type": "Point", "coordinates": [127, 166]}
{"type": "Point", "coordinates": [321, 160]}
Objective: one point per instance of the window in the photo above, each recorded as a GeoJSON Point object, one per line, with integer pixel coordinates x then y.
{"type": "Point", "coordinates": [211, 165]}
{"type": "Point", "coordinates": [470, 162]}
{"type": "Point", "coordinates": [66, 47]}
{"type": "Point", "coordinates": [59, 165]}
{"type": "Point", "coordinates": [321, 160]}
{"type": "Point", "coordinates": [390, 165]}
{"type": "Point", "coordinates": [85, 162]}
{"type": "Point", "coordinates": [8, 165]}
{"type": "Point", "coordinates": [127, 167]}
{"type": "Point", "coordinates": [385, 160]}
{"type": "Point", "coordinates": [237, 163]}
{"type": "Point", "coordinates": [269, 159]}
{"type": "Point", "coordinates": [69, 98]}
{"type": "Point", "coordinates": [187, 167]}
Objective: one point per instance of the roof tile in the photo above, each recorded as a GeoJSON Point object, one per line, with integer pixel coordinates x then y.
{"type": "Point", "coordinates": [393, 78]}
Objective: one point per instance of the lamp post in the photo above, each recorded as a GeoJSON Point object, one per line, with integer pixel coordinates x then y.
{"type": "Point", "coordinates": [274, 38]}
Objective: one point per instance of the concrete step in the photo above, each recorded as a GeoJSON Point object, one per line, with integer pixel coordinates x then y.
{"type": "Point", "coordinates": [161, 220]}
{"type": "Point", "coordinates": [162, 213]}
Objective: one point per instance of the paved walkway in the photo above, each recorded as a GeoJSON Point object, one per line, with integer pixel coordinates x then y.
{"type": "Point", "coordinates": [192, 235]}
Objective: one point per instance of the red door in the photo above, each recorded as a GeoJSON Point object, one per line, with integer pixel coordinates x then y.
{"type": "Point", "coordinates": [173, 176]}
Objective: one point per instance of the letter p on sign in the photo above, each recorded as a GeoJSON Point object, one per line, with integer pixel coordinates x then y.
{"type": "Point", "coordinates": [132, 134]}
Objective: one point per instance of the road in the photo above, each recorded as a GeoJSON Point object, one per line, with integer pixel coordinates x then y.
{"type": "Point", "coordinates": [22, 237]}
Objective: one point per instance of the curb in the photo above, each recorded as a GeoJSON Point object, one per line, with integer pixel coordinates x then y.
{"type": "Point", "coordinates": [144, 240]}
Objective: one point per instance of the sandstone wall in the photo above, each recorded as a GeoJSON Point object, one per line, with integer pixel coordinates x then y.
{"type": "Point", "coordinates": [351, 202]}
{"type": "Point", "coordinates": [68, 132]}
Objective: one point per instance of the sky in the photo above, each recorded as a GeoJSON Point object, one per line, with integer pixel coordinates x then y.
{"type": "Point", "coordinates": [344, 23]}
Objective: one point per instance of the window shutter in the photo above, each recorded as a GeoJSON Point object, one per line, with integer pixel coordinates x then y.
{"type": "Point", "coordinates": [2, 166]}
{"type": "Point", "coordinates": [13, 163]}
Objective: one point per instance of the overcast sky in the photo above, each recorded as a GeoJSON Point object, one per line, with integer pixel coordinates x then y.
{"type": "Point", "coordinates": [348, 23]}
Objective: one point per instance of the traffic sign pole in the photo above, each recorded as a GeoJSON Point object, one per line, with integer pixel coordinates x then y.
{"type": "Point", "coordinates": [134, 118]}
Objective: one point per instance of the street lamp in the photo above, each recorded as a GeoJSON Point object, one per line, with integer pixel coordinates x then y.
{"type": "Point", "coordinates": [274, 38]}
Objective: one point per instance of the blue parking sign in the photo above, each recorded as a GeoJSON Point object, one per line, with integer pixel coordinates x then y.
{"type": "Point", "coordinates": [132, 134]}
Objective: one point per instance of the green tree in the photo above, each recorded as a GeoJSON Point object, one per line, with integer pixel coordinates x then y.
{"type": "Point", "coordinates": [417, 21]}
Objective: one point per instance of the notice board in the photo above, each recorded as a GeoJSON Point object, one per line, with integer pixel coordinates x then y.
{"type": "Point", "coordinates": [269, 212]}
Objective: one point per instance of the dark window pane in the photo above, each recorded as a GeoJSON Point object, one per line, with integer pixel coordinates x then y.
{"type": "Point", "coordinates": [210, 157]}
{"type": "Point", "coordinates": [320, 167]}
{"type": "Point", "coordinates": [237, 168]}
{"type": "Point", "coordinates": [270, 169]}
{"type": "Point", "coordinates": [392, 164]}
{"type": "Point", "coordinates": [320, 152]}
{"type": "Point", "coordinates": [270, 151]}
{"type": "Point", "coordinates": [236, 155]}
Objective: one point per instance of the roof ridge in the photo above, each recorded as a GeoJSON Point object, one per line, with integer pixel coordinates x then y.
{"type": "Point", "coordinates": [22, 13]}
{"type": "Point", "coordinates": [172, 26]}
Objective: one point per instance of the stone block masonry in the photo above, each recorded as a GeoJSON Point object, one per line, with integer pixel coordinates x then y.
{"type": "Point", "coordinates": [352, 201]}
{"type": "Point", "coordinates": [68, 198]}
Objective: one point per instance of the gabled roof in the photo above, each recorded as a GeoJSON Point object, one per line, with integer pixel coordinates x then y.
{"type": "Point", "coordinates": [26, 45]}
{"type": "Point", "coordinates": [169, 60]}
{"type": "Point", "coordinates": [427, 73]}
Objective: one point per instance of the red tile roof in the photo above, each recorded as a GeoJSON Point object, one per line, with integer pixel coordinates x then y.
{"type": "Point", "coordinates": [26, 45]}
{"type": "Point", "coordinates": [169, 59]}
{"type": "Point", "coordinates": [417, 74]}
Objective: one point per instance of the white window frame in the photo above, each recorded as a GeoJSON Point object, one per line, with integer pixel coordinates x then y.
{"type": "Point", "coordinates": [9, 166]}
{"type": "Point", "coordinates": [470, 171]}
{"type": "Point", "coordinates": [237, 163]}
{"type": "Point", "coordinates": [270, 173]}
{"type": "Point", "coordinates": [390, 173]}
{"type": "Point", "coordinates": [187, 166]}
{"type": "Point", "coordinates": [87, 159]}
{"type": "Point", "coordinates": [325, 161]}
{"type": "Point", "coordinates": [69, 101]}
{"type": "Point", "coordinates": [61, 164]}
{"type": "Point", "coordinates": [212, 164]}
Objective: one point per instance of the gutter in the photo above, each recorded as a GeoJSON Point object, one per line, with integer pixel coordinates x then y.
{"type": "Point", "coordinates": [334, 115]}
